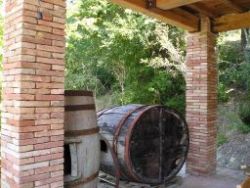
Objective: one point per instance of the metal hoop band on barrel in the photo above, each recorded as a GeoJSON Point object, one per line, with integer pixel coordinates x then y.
{"type": "Point", "coordinates": [84, 132]}
{"type": "Point", "coordinates": [69, 108]}
{"type": "Point", "coordinates": [72, 93]}
{"type": "Point", "coordinates": [82, 181]}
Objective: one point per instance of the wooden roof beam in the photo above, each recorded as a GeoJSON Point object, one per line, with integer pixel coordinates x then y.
{"type": "Point", "coordinates": [177, 18]}
{"type": "Point", "coordinates": [170, 4]}
{"type": "Point", "coordinates": [203, 10]}
{"type": "Point", "coordinates": [232, 22]}
{"type": "Point", "coordinates": [233, 5]}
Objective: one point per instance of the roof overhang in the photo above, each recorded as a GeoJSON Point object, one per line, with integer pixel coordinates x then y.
{"type": "Point", "coordinates": [225, 15]}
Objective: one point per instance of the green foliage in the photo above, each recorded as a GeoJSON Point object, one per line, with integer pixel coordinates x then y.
{"type": "Point", "coordinates": [1, 50]}
{"type": "Point", "coordinates": [153, 86]}
{"type": "Point", "coordinates": [244, 113]}
{"type": "Point", "coordinates": [230, 51]}
{"type": "Point", "coordinates": [234, 120]}
{"type": "Point", "coordinates": [243, 128]}
{"type": "Point", "coordinates": [223, 95]}
{"type": "Point", "coordinates": [245, 41]}
{"type": "Point", "coordinates": [234, 69]}
{"type": "Point", "coordinates": [1, 34]}
{"type": "Point", "coordinates": [234, 73]}
{"type": "Point", "coordinates": [118, 52]}
{"type": "Point", "coordinates": [221, 139]}
{"type": "Point", "coordinates": [236, 76]}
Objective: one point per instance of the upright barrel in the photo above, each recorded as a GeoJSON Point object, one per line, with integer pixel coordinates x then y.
{"type": "Point", "coordinates": [82, 142]}
{"type": "Point", "coordinates": [150, 142]}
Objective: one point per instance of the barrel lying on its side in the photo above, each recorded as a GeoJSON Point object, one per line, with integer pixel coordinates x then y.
{"type": "Point", "coordinates": [151, 142]}
{"type": "Point", "coordinates": [82, 142]}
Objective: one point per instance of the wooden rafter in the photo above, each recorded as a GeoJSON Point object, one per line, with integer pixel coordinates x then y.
{"type": "Point", "coordinates": [233, 5]}
{"type": "Point", "coordinates": [231, 22]}
{"type": "Point", "coordinates": [170, 4]}
{"type": "Point", "coordinates": [203, 10]}
{"type": "Point", "coordinates": [176, 17]}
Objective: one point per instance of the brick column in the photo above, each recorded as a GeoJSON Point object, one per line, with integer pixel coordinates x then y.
{"type": "Point", "coordinates": [201, 100]}
{"type": "Point", "coordinates": [33, 106]}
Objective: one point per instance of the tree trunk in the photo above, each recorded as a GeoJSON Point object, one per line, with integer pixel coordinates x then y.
{"type": "Point", "coordinates": [245, 43]}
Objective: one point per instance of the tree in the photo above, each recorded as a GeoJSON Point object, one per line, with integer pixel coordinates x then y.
{"type": "Point", "coordinates": [1, 32]}
{"type": "Point", "coordinates": [245, 43]}
{"type": "Point", "coordinates": [115, 50]}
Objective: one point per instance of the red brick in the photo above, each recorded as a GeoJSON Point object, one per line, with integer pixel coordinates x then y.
{"type": "Point", "coordinates": [59, 32]}
{"type": "Point", "coordinates": [51, 24]}
{"type": "Point", "coordinates": [47, 16]}
{"type": "Point", "coordinates": [50, 180]}
{"type": "Point", "coordinates": [33, 94]}
{"type": "Point", "coordinates": [49, 97]}
{"type": "Point", "coordinates": [201, 101]}
{"type": "Point", "coordinates": [21, 123]}
{"type": "Point", "coordinates": [49, 157]}
{"type": "Point", "coordinates": [49, 169]}
{"type": "Point", "coordinates": [49, 145]}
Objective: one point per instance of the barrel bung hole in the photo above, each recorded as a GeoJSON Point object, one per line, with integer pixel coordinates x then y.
{"type": "Point", "coordinates": [104, 147]}
{"type": "Point", "coordinates": [67, 160]}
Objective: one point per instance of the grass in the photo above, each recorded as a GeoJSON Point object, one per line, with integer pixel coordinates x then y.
{"type": "Point", "coordinates": [243, 128]}
{"type": "Point", "coordinates": [221, 139]}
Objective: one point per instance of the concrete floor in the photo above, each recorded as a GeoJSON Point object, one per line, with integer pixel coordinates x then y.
{"type": "Point", "coordinates": [224, 178]}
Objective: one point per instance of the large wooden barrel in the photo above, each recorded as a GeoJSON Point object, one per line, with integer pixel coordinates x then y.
{"type": "Point", "coordinates": [82, 142]}
{"type": "Point", "coordinates": [150, 142]}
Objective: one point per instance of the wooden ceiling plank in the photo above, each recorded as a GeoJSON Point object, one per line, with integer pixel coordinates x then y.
{"type": "Point", "coordinates": [170, 4]}
{"type": "Point", "coordinates": [232, 22]}
{"type": "Point", "coordinates": [203, 10]}
{"type": "Point", "coordinates": [233, 5]}
{"type": "Point", "coordinates": [188, 22]}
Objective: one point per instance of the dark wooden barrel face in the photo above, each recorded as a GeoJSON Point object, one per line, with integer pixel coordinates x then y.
{"type": "Point", "coordinates": [158, 145]}
{"type": "Point", "coordinates": [144, 146]}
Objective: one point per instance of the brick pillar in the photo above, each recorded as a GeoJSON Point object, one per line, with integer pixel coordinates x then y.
{"type": "Point", "coordinates": [33, 105]}
{"type": "Point", "coordinates": [201, 98]}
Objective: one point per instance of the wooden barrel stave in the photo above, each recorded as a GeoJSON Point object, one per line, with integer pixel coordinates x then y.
{"type": "Point", "coordinates": [77, 100]}
{"type": "Point", "coordinates": [75, 120]}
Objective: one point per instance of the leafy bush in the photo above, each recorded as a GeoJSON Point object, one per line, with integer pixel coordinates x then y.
{"type": "Point", "coordinates": [117, 52]}
{"type": "Point", "coordinates": [230, 51]}
{"type": "Point", "coordinates": [233, 62]}
{"type": "Point", "coordinates": [1, 33]}
{"type": "Point", "coordinates": [157, 86]}
{"type": "Point", "coordinates": [223, 96]}
{"type": "Point", "coordinates": [244, 112]}
{"type": "Point", "coordinates": [243, 128]}
{"type": "Point", "coordinates": [235, 75]}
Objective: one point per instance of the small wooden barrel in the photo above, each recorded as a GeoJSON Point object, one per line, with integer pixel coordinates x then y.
{"type": "Point", "coordinates": [82, 145]}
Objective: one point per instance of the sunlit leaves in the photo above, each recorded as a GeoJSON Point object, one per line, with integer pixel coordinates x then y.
{"type": "Point", "coordinates": [1, 32]}
{"type": "Point", "coordinates": [116, 50]}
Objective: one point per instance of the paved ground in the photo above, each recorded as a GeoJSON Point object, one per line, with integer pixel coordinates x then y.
{"type": "Point", "coordinates": [224, 178]}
